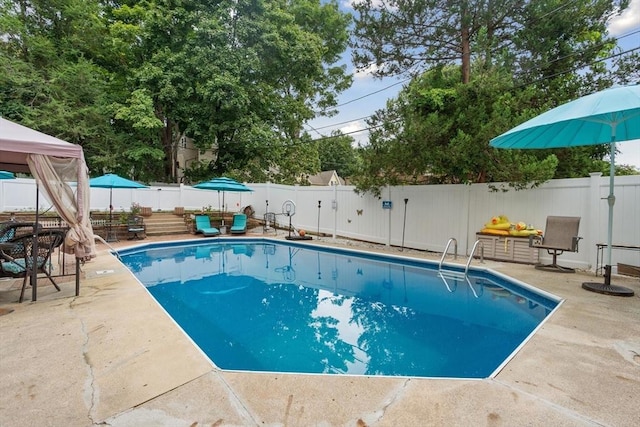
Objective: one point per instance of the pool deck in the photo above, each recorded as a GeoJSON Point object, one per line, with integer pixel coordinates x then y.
{"type": "Point", "coordinates": [113, 357]}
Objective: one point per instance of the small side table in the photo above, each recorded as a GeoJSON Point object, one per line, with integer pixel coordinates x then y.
{"type": "Point", "coordinates": [600, 247]}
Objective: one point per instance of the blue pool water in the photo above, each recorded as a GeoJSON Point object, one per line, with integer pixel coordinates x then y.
{"type": "Point", "coordinates": [264, 305]}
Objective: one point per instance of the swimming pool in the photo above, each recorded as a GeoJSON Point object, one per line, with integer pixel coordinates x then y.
{"type": "Point", "coordinates": [274, 306]}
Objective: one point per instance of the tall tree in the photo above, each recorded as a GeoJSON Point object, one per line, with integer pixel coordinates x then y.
{"type": "Point", "coordinates": [522, 57]}
{"type": "Point", "coordinates": [50, 76]}
{"type": "Point", "coordinates": [407, 36]}
{"type": "Point", "coordinates": [130, 79]}
{"type": "Point", "coordinates": [239, 77]}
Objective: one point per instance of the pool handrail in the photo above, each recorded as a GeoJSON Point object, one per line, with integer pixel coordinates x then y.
{"type": "Point", "coordinates": [473, 251]}
{"type": "Point", "coordinates": [446, 249]}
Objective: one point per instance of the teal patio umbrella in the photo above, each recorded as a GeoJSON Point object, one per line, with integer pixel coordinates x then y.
{"type": "Point", "coordinates": [609, 116]}
{"type": "Point", "coordinates": [7, 175]}
{"type": "Point", "coordinates": [111, 181]}
{"type": "Point", "coordinates": [223, 184]}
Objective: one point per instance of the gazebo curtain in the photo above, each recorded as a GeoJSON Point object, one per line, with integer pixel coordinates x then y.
{"type": "Point", "coordinates": [53, 175]}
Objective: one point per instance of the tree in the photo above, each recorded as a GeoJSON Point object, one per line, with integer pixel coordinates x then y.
{"type": "Point", "coordinates": [437, 132]}
{"type": "Point", "coordinates": [407, 36]}
{"type": "Point", "coordinates": [337, 153]}
{"type": "Point", "coordinates": [50, 77]}
{"type": "Point", "coordinates": [517, 59]}
{"type": "Point", "coordinates": [239, 77]}
{"type": "Point", "coordinates": [129, 79]}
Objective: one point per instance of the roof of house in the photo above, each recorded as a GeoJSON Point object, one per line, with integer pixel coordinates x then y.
{"type": "Point", "coordinates": [325, 178]}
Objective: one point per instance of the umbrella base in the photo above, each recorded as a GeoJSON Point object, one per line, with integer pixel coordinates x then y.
{"type": "Point", "coordinates": [298, 237]}
{"type": "Point", "coordinates": [607, 288]}
{"type": "Point", "coordinates": [602, 288]}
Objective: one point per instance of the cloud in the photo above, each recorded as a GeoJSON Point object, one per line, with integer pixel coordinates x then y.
{"type": "Point", "coordinates": [366, 73]}
{"type": "Point", "coordinates": [625, 22]}
{"type": "Point", "coordinates": [349, 3]}
{"type": "Point", "coordinates": [352, 129]}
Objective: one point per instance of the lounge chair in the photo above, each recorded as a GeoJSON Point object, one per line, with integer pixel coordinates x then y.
{"type": "Point", "coordinates": [560, 235]}
{"type": "Point", "coordinates": [16, 260]}
{"type": "Point", "coordinates": [239, 225]}
{"type": "Point", "coordinates": [203, 226]}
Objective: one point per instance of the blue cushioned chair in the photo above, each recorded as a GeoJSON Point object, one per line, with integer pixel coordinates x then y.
{"type": "Point", "coordinates": [203, 226]}
{"type": "Point", "coordinates": [239, 225]}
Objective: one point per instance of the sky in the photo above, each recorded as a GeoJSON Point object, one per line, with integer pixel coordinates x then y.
{"type": "Point", "coordinates": [368, 95]}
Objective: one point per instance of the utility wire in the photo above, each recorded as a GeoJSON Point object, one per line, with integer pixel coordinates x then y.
{"type": "Point", "coordinates": [516, 87]}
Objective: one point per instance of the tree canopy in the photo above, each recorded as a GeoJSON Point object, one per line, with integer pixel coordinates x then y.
{"type": "Point", "coordinates": [478, 69]}
{"type": "Point", "coordinates": [129, 80]}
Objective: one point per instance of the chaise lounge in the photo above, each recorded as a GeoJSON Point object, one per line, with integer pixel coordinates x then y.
{"type": "Point", "coordinates": [239, 225]}
{"type": "Point", "coordinates": [203, 226]}
{"type": "Point", "coordinates": [560, 235]}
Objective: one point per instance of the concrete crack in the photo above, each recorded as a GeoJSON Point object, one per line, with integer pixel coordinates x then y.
{"type": "Point", "coordinates": [397, 393]}
{"type": "Point", "coordinates": [90, 393]}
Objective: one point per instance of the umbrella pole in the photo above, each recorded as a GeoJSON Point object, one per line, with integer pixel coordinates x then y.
{"type": "Point", "coordinates": [611, 200]}
{"type": "Point", "coordinates": [607, 288]}
{"type": "Point", "coordinates": [110, 235]}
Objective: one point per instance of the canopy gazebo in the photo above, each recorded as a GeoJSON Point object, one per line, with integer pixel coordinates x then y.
{"type": "Point", "coordinates": [54, 163]}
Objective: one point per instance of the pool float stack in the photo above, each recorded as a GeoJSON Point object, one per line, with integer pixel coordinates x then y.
{"type": "Point", "coordinates": [501, 226]}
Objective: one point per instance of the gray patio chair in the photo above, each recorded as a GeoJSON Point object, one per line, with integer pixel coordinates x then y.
{"type": "Point", "coordinates": [560, 235]}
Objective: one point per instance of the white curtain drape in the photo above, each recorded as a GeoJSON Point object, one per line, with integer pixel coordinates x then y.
{"type": "Point", "coordinates": [52, 175]}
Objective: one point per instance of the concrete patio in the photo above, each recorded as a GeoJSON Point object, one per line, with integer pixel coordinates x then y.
{"type": "Point", "coordinates": [113, 357]}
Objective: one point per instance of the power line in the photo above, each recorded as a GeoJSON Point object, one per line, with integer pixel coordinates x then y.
{"type": "Point", "coordinates": [373, 93]}
{"type": "Point", "coordinates": [342, 123]}
{"type": "Point", "coordinates": [516, 87]}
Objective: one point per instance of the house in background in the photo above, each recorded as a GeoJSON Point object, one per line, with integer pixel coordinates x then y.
{"type": "Point", "coordinates": [326, 178]}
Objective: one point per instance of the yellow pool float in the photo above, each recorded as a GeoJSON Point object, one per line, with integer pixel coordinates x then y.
{"type": "Point", "coordinates": [500, 222]}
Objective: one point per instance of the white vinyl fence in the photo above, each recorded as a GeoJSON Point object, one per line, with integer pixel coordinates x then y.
{"type": "Point", "coordinates": [434, 213]}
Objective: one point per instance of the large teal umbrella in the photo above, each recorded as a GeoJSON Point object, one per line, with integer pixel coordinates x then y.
{"type": "Point", "coordinates": [223, 184]}
{"type": "Point", "coordinates": [605, 117]}
{"type": "Point", "coordinates": [111, 181]}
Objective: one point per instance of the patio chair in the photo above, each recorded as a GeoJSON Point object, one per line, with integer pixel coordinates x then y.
{"type": "Point", "coordinates": [16, 257]}
{"type": "Point", "coordinates": [269, 223]}
{"type": "Point", "coordinates": [239, 225]}
{"type": "Point", "coordinates": [560, 235]}
{"type": "Point", "coordinates": [203, 226]}
{"type": "Point", "coordinates": [12, 229]}
{"type": "Point", "coordinates": [135, 225]}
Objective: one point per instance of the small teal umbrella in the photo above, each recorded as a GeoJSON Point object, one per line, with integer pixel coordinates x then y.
{"type": "Point", "coordinates": [605, 117]}
{"type": "Point", "coordinates": [111, 181]}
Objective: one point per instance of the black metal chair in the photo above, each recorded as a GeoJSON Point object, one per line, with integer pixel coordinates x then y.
{"type": "Point", "coordinates": [11, 229]}
{"type": "Point", "coordinates": [18, 255]}
{"type": "Point", "coordinates": [135, 225]}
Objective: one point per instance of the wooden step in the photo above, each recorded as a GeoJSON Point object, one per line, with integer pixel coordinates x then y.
{"type": "Point", "coordinates": [162, 224]}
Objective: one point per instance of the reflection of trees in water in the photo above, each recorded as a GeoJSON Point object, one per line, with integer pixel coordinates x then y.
{"type": "Point", "coordinates": [136, 261]}
{"type": "Point", "coordinates": [280, 331]}
{"type": "Point", "coordinates": [387, 352]}
{"type": "Point", "coordinates": [305, 341]}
